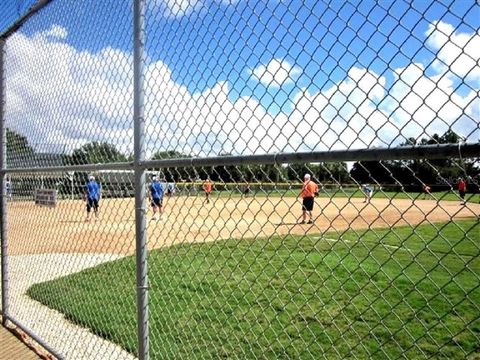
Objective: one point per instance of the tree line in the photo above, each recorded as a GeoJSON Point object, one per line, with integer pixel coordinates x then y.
{"type": "Point", "coordinates": [405, 174]}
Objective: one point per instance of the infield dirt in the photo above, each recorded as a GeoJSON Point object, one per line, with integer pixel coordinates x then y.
{"type": "Point", "coordinates": [36, 230]}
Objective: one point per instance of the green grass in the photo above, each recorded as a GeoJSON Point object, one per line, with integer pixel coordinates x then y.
{"type": "Point", "coordinates": [373, 293]}
{"type": "Point", "coordinates": [352, 193]}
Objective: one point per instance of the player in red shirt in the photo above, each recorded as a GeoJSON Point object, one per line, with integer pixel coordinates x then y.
{"type": "Point", "coordinates": [462, 188]}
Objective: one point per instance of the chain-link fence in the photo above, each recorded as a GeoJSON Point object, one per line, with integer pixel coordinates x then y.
{"type": "Point", "coordinates": [305, 176]}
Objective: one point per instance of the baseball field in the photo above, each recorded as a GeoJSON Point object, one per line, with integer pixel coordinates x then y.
{"type": "Point", "coordinates": [240, 278]}
{"type": "Point", "coordinates": [63, 229]}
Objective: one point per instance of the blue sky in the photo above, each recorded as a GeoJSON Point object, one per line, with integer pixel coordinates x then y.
{"type": "Point", "coordinates": [11, 10]}
{"type": "Point", "coordinates": [319, 44]}
{"type": "Point", "coordinates": [325, 39]}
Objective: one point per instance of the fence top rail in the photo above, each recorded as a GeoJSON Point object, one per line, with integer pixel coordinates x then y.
{"type": "Point", "coordinates": [373, 154]}
{"type": "Point", "coordinates": [66, 168]}
{"type": "Point", "coordinates": [36, 7]}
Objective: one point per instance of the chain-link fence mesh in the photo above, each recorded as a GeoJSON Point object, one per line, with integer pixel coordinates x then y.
{"type": "Point", "coordinates": [311, 174]}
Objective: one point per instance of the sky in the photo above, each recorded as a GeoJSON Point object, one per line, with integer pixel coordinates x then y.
{"type": "Point", "coordinates": [244, 77]}
{"type": "Point", "coordinates": [11, 10]}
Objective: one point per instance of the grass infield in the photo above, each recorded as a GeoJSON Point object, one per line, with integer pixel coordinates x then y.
{"type": "Point", "coordinates": [361, 294]}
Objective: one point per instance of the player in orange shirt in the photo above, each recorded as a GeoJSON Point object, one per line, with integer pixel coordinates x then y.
{"type": "Point", "coordinates": [207, 187]}
{"type": "Point", "coordinates": [309, 191]}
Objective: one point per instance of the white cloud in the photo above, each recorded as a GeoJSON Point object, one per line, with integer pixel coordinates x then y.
{"type": "Point", "coordinates": [83, 96]}
{"type": "Point", "coordinates": [90, 97]}
{"type": "Point", "coordinates": [57, 31]}
{"type": "Point", "coordinates": [422, 105]}
{"type": "Point", "coordinates": [209, 123]}
{"type": "Point", "coordinates": [458, 52]}
{"type": "Point", "coordinates": [276, 73]}
{"type": "Point", "coordinates": [344, 116]}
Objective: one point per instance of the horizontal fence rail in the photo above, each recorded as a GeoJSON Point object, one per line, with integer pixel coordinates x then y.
{"type": "Point", "coordinates": [36, 7]}
{"type": "Point", "coordinates": [401, 153]}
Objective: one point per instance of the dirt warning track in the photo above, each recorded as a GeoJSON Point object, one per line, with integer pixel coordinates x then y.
{"type": "Point", "coordinates": [37, 230]}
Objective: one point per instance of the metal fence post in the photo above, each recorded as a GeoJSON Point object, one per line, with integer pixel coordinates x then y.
{"type": "Point", "coordinates": [139, 157]}
{"type": "Point", "coordinates": [3, 198]}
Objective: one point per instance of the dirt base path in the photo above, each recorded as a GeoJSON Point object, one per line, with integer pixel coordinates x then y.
{"type": "Point", "coordinates": [36, 230]}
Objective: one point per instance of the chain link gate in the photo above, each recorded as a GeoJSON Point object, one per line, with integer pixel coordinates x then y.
{"type": "Point", "coordinates": [305, 176]}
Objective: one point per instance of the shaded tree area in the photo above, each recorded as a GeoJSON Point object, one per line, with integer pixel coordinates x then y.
{"type": "Point", "coordinates": [21, 154]}
{"type": "Point", "coordinates": [17, 143]}
{"type": "Point", "coordinates": [227, 173]}
{"type": "Point", "coordinates": [251, 173]}
{"type": "Point", "coordinates": [95, 153]}
{"type": "Point", "coordinates": [171, 154]}
{"type": "Point", "coordinates": [19, 151]}
{"type": "Point", "coordinates": [412, 174]}
{"type": "Point", "coordinates": [405, 174]}
{"type": "Point", "coordinates": [371, 171]}
{"type": "Point", "coordinates": [327, 172]}
{"type": "Point", "coordinates": [173, 174]}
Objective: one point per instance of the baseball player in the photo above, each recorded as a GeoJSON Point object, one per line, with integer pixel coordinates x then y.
{"type": "Point", "coordinates": [308, 193]}
{"type": "Point", "coordinates": [368, 191]}
{"type": "Point", "coordinates": [92, 197]}
{"type": "Point", "coordinates": [156, 198]}
{"type": "Point", "coordinates": [8, 189]}
{"type": "Point", "coordinates": [462, 188]}
{"type": "Point", "coordinates": [426, 191]}
{"type": "Point", "coordinates": [207, 187]}
{"type": "Point", "coordinates": [170, 189]}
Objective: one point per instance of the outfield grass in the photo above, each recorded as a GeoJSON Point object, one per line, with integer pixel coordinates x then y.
{"type": "Point", "coordinates": [352, 193]}
{"type": "Point", "coordinates": [370, 294]}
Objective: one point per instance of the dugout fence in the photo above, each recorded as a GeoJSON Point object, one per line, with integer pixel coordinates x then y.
{"type": "Point", "coordinates": [248, 97]}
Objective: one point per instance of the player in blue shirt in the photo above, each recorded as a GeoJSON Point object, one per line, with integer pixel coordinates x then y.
{"type": "Point", "coordinates": [170, 189]}
{"type": "Point", "coordinates": [368, 191]}
{"type": "Point", "coordinates": [156, 197]}
{"type": "Point", "coordinates": [92, 196]}
{"type": "Point", "coordinates": [8, 189]}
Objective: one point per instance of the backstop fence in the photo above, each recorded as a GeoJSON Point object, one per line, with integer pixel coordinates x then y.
{"type": "Point", "coordinates": [304, 175]}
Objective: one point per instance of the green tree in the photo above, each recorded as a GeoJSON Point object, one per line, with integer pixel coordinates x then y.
{"type": "Point", "coordinates": [333, 172]}
{"type": "Point", "coordinates": [95, 153]}
{"type": "Point", "coordinates": [323, 172]}
{"type": "Point", "coordinates": [371, 172]}
{"type": "Point", "coordinates": [450, 137]}
{"type": "Point", "coordinates": [295, 172]}
{"type": "Point", "coordinates": [17, 143]}
{"type": "Point", "coordinates": [170, 154]}
{"type": "Point", "coordinates": [265, 173]}
{"type": "Point", "coordinates": [174, 174]}
{"type": "Point", "coordinates": [414, 173]}
{"type": "Point", "coordinates": [18, 148]}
